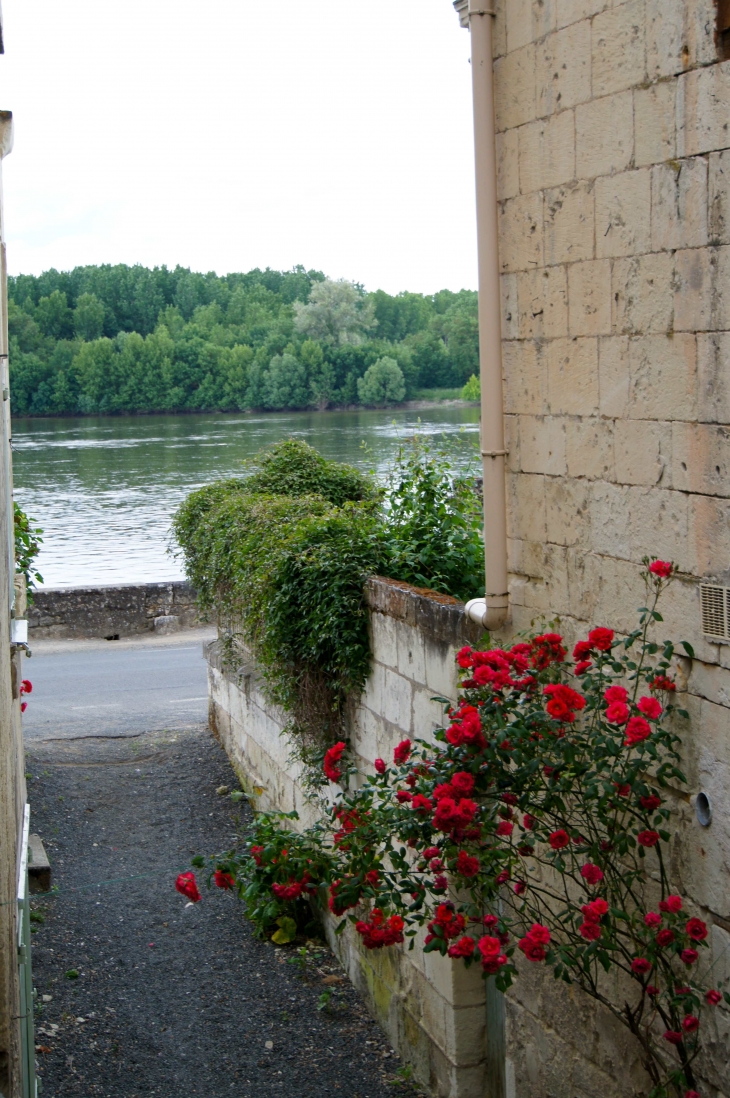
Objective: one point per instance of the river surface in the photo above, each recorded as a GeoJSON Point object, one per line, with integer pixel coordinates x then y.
{"type": "Point", "coordinates": [104, 489]}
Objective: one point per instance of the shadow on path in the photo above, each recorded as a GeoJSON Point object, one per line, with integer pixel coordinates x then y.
{"type": "Point", "coordinates": [171, 1000]}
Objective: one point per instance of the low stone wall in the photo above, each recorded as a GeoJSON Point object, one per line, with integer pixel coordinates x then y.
{"type": "Point", "coordinates": [111, 612]}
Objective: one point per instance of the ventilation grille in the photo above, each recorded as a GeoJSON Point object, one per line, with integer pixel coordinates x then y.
{"type": "Point", "coordinates": [715, 602]}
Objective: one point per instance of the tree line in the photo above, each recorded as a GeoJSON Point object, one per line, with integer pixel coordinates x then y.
{"type": "Point", "coordinates": [101, 340]}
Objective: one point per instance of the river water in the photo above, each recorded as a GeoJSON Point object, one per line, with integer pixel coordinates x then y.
{"type": "Point", "coordinates": [104, 489]}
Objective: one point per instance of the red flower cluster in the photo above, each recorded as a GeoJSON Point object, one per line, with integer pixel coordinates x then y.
{"type": "Point", "coordinates": [333, 756]}
{"type": "Point", "coordinates": [402, 752]}
{"type": "Point", "coordinates": [672, 904]}
{"type": "Point", "coordinates": [661, 682]}
{"type": "Point", "coordinates": [292, 890]}
{"type": "Point", "coordinates": [661, 568]}
{"type": "Point", "coordinates": [593, 912]}
{"type": "Point", "coordinates": [591, 873]}
{"type": "Point", "coordinates": [534, 942]}
{"type": "Point", "coordinates": [463, 948]}
{"type": "Point", "coordinates": [563, 703]}
{"type": "Point", "coordinates": [492, 957]}
{"type": "Point", "coordinates": [380, 931]}
{"type": "Point", "coordinates": [446, 924]}
{"type": "Point", "coordinates": [618, 711]}
{"type": "Point", "coordinates": [187, 886]}
{"type": "Point", "coordinates": [546, 649]}
{"type": "Point", "coordinates": [468, 730]}
{"type": "Point", "coordinates": [451, 816]}
{"type": "Point", "coordinates": [466, 865]}
{"type": "Point", "coordinates": [337, 904]}
{"type": "Point", "coordinates": [223, 880]}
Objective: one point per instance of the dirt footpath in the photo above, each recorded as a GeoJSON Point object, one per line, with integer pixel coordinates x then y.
{"type": "Point", "coordinates": [172, 1000]}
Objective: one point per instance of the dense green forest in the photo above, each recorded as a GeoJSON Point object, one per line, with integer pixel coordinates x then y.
{"type": "Point", "coordinates": [114, 339]}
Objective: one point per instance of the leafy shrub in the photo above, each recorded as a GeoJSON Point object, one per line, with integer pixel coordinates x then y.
{"type": "Point", "coordinates": [287, 574]}
{"type": "Point", "coordinates": [28, 543]}
{"type": "Point", "coordinates": [472, 390]}
{"type": "Point", "coordinates": [434, 521]}
{"type": "Point", "coordinates": [382, 383]}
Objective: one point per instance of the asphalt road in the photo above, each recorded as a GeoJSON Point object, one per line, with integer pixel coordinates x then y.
{"type": "Point", "coordinates": [120, 689]}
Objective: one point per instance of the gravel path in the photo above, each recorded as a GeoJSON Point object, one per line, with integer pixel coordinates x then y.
{"type": "Point", "coordinates": [173, 1000]}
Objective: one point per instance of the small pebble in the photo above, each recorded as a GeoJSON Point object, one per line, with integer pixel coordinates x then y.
{"type": "Point", "coordinates": [269, 1044]}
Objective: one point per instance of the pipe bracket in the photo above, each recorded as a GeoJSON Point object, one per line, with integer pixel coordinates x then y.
{"type": "Point", "coordinates": [494, 453]}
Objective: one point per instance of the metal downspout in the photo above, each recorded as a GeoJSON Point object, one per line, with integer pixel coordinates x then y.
{"type": "Point", "coordinates": [493, 610]}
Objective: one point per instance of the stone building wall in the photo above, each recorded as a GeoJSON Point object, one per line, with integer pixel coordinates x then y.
{"type": "Point", "coordinates": [614, 174]}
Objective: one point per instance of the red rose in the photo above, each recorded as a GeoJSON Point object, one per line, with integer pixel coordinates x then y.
{"type": "Point", "coordinates": [691, 1094]}
{"type": "Point", "coordinates": [696, 930]}
{"type": "Point", "coordinates": [466, 864]}
{"type": "Point", "coordinates": [380, 766]}
{"type": "Point", "coordinates": [519, 887]}
{"type": "Point", "coordinates": [651, 802]}
{"type": "Point", "coordinates": [690, 1024]}
{"type": "Point", "coordinates": [436, 865]}
{"type": "Point", "coordinates": [615, 694]}
{"type": "Point", "coordinates": [713, 997]}
{"type": "Point", "coordinates": [640, 966]}
{"type": "Point", "coordinates": [594, 911]}
{"type": "Point", "coordinates": [583, 650]}
{"type": "Point", "coordinates": [431, 852]}
{"type": "Point", "coordinates": [559, 839]}
{"type": "Point", "coordinates": [463, 948]}
{"type": "Point", "coordinates": [651, 990]}
{"type": "Point", "coordinates": [465, 657]}
{"type": "Point", "coordinates": [528, 822]}
{"type": "Point", "coordinates": [462, 783]}
{"type": "Point", "coordinates": [652, 919]}
{"type": "Point", "coordinates": [372, 877]}
{"type": "Point", "coordinates": [618, 713]}
{"type": "Point", "coordinates": [505, 828]}
{"type": "Point", "coordinates": [650, 707]}
{"type": "Point", "coordinates": [590, 931]}
{"type": "Point", "coordinates": [661, 568]}
{"type": "Point", "coordinates": [421, 803]}
{"type": "Point", "coordinates": [673, 1037]}
{"type": "Point", "coordinates": [591, 873]}
{"type": "Point", "coordinates": [601, 638]}
{"type": "Point", "coordinates": [440, 883]}
{"type": "Point", "coordinates": [637, 730]}
{"type": "Point", "coordinates": [665, 938]}
{"type": "Point", "coordinates": [672, 903]}
{"type": "Point", "coordinates": [539, 933]}
{"type": "Point", "coordinates": [404, 796]}
{"type": "Point", "coordinates": [531, 949]}
{"type": "Point", "coordinates": [582, 667]}
{"type": "Point", "coordinates": [332, 757]}
{"type": "Point", "coordinates": [490, 948]}
{"type": "Point", "coordinates": [648, 838]}
{"type": "Point", "coordinates": [661, 682]}
{"type": "Point", "coordinates": [689, 956]}
{"type": "Point", "coordinates": [223, 880]}
{"type": "Point", "coordinates": [402, 752]}
{"type": "Point", "coordinates": [26, 686]}
{"type": "Point", "coordinates": [187, 886]}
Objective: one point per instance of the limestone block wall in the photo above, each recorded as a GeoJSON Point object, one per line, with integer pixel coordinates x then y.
{"type": "Point", "coordinates": [614, 177]}
{"type": "Point", "coordinates": [109, 611]}
{"type": "Point", "coordinates": [434, 1011]}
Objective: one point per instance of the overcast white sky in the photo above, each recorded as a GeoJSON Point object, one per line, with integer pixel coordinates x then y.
{"type": "Point", "coordinates": [230, 134]}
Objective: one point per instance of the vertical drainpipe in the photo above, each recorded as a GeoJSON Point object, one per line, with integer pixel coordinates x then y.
{"type": "Point", "coordinates": [492, 611]}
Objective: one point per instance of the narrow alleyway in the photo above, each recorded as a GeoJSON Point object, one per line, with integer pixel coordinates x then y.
{"type": "Point", "coordinates": [172, 999]}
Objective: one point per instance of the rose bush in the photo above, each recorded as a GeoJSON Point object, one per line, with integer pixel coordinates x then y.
{"type": "Point", "coordinates": [536, 825]}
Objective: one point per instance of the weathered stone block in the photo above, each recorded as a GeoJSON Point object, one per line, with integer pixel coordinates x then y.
{"type": "Point", "coordinates": [623, 214]}
{"type": "Point", "coordinates": [526, 512]}
{"type": "Point", "coordinates": [542, 445]}
{"type": "Point", "coordinates": [564, 69]}
{"type": "Point", "coordinates": [542, 297]}
{"type": "Point", "coordinates": [655, 121]}
{"type": "Point", "coordinates": [642, 293]}
{"type": "Point", "coordinates": [547, 152]}
{"type": "Point", "coordinates": [510, 307]}
{"type": "Point", "coordinates": [525, 376]}
{"type": "Point", "coordinates": [710, 530]}
{"type": "Point", "coordinates": [570, 11]}
{"type": "Point", "coordinates": [521, 233]}
{"type": "Point", "coordinates": [720, 269]}
{"type": "Point", "coordinates": [703, 110]}
{"type": "Point", "coordinates": [700, 32]}
{"type": "Point", "coordinates": [663, 375]}
{"type": "Point", "coordinates": [659, 525]}
{"type": "Point", "coordinates": [613, 375]}
{"type": "Point", "coordinates": [679, 195]}
{"type": "Point", "coordinates": [665, 38]}
{"type": "Point", "coordinates": [383, 639]}
{"type": "Point", "coordinates": [411, 658]}
{"type": "Point", "coordinates": [719, 198]}
{"type": "Point", "coordinates": [520, 29]}
{"type": "Point", "coordinates": [514, 88]}
{"type": "Point", "coordinates": [589, 448]}
{"type": "Point", "coordinates": [604, 132]}
{"type": "Point", "coordinates": [589, 298]}
{"type": "Point", "coordinates": [573, 377]}
{"type": "Point", "coordinates": [713, 367]}
{"type": "Point", "coordinates": [643, 451]}
{"type": "Point", "coordinates": [619, 48]}
{"type": "Point", "coordinates": [694, 282]}
{"type": "Point", "coordinates": [701, 458]}
{"type": "Point", "coordinates": [569, 224]}
{"type": "Point", "coordinates": [609, 518]}
{"type": "Point", "coordinates": [507, 146]}
{"type": "Point", "coordinates": [568, 509]}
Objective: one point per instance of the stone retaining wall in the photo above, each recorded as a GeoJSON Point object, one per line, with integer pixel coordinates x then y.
{"type": "Point", "coordinates": [111, 612]}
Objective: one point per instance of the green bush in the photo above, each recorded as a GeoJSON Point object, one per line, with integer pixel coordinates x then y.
{"type": "Point", "coordinates": [28, 543]}
{"type": "Point", "coordinates": [472, 390]}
